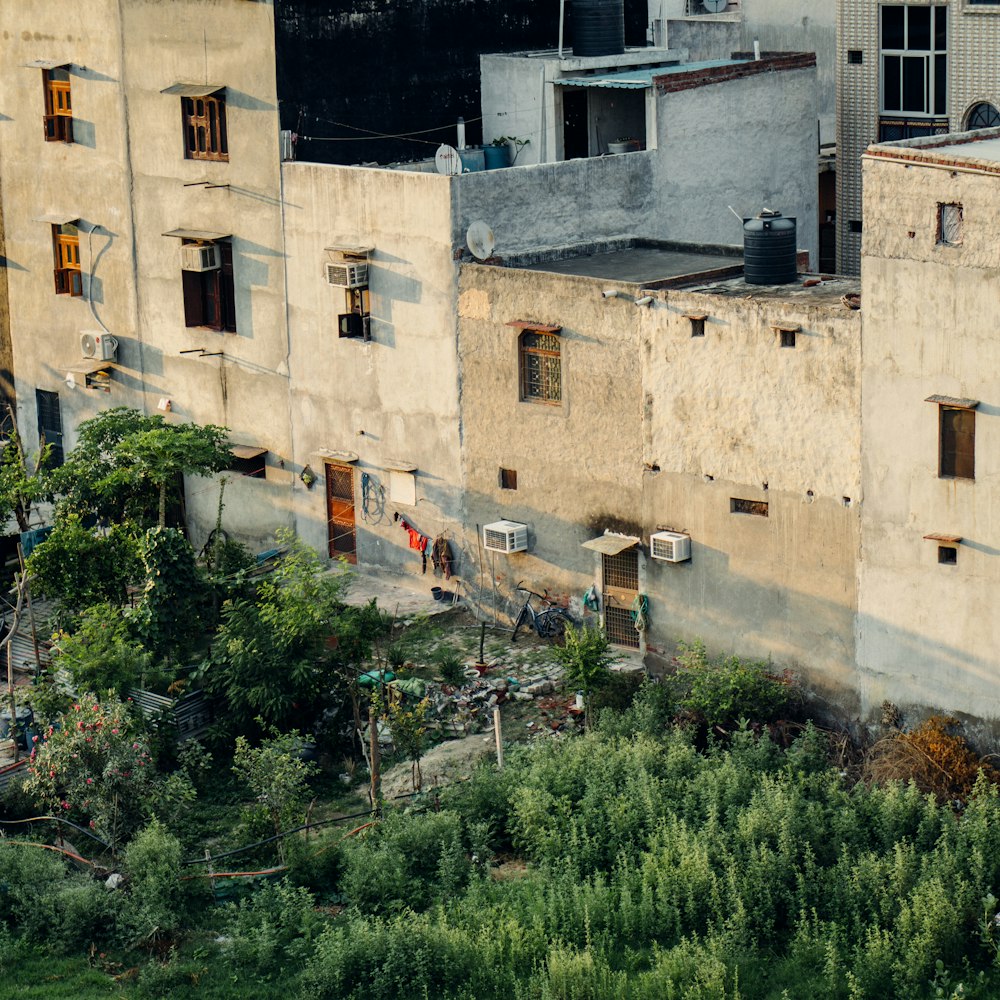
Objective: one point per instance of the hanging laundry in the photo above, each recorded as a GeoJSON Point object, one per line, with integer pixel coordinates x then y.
{"type": "Point", "coordinates": [441, 557]}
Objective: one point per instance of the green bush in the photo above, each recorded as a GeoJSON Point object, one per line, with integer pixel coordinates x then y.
{"type": "Point", "coordinates": [722, 691]}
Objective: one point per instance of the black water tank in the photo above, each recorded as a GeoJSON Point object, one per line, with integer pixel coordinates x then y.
{"type": "Point", "coordinates": [598, 27]}
{"type": "Point", "coordinates": [769, 256]}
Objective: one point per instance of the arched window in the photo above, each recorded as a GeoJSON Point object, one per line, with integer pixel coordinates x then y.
{"type": "Point", "coordinates": [982, 115]}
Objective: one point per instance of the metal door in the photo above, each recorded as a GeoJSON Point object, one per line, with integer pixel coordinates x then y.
{"type": "Point", "coordinates": [341, 529]}
{"type": "Point", "coordinates": [620, 577]}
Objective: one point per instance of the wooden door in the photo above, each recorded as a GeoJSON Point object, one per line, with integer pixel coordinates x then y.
{"type": "Point", "coordinates": [341, 528]}
{"type": "Point", "coordinates": [620, 579]}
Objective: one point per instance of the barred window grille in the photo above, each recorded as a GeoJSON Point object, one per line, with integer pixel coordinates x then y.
{"type": "Point", "coordinates": [541, 367]}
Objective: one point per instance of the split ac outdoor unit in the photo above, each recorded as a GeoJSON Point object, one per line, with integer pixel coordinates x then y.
{"type": "Point", "coordinates": [670, 546]}
{"type": "Point", "coordinates": [100, 347]}
{"type": "Point", "coordinates": [200, 257]}
{"type": "Point", "coordinates": [344, 275]}
{"type": "Point", "coordinates": [505, 536]}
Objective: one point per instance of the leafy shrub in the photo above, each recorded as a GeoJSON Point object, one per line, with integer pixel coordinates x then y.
{"type": "Point", "coordinates": [719, 692]}
{"type": "Point", "coordinates": [270, 931]}
{"type": "Point", "coordinates": [586, 656]}
{"type": "Point", "coordinates": [96, 768]}
{"type": "Point", "coordinates": [649, 714]}
{"type": "Point", "coordinates": [449, 665]}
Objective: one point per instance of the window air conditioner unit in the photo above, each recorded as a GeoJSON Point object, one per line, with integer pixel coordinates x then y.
{"type": "Point", "coordinates": [200, 257]}
{"type": "Point", "coordinates": [670, 546]}
{"type": "Point", "coordinates": [505, 536]}
{"type": "Point", "coordinates": [344, 275]}
{"type": "Point", "coordinates": [100, 347]}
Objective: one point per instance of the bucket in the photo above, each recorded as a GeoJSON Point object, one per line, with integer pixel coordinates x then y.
{"type": "Point", "coordinates": [437, 593]}
{"type": "Point", "coordinates": [472, 160]}
{"type": "Point", "coordinates": [496, 156]}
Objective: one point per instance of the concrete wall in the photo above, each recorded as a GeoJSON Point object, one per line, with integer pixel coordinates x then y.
{"type": "Point", "coordinates": [126, 175]}
{"type": "Point", "coordinates": [657, 429]}
{"type": "Point", "coordinates": [769, 158]}
{"type": "Point", "coordinates": [928, 633]}
{"type": "Point", "coordinates": [395, 397]}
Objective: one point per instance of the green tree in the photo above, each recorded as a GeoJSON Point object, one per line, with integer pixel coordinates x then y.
{"type": "Point", "coordinates": [277, 776]}
{"type": "Point", "coordinates": [127, 466]}
{"type": "Point", "coordinates": [586, 657]}
{"type": "Point", "coordinates": [273, 656]}
{"type": "Point", "coordinates": [95, 767]}
{"type": "Point", "coordinates": [409, 733]}
{"type": "Point", "coordinates": [23, 479]}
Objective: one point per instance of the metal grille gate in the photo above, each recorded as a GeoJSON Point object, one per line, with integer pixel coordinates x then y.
{"type": "Point", "coordinates": [621, 587]}
{"type": "Point", "coordinates": [341, 530]}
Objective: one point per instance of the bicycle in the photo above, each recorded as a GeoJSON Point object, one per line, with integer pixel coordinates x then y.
{"type": "Point", "coordinates": [550, 623]}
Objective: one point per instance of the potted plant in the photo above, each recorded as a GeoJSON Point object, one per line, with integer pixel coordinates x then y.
{"type": "Point", "coordinates": [624, 144]}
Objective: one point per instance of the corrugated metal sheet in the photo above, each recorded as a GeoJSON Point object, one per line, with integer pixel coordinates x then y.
{"type": "Point", "coordinates": [638, 79]}
{"type": "Point", "coordinates": [190, 715]}
{"type": "Point", "coordinates": [193, 89]}
{"type": "Point", "coordinates": [610, 544]}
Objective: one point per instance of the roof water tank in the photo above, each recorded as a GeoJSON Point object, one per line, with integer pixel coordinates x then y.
{"type": "Point", "coordinates": [769, 256]}
{"type": "Point", "coordinates": [598, 27]}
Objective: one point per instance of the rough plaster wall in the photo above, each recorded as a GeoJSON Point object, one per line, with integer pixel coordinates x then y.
{"type": "Point", "coordinates": [552, 204]}
{"type": "Point", "coordinates": [706, 38]}
{"type": "Point", "coordinates": [401, 388]}
{"type": "Point", "coordinates": [973, 56]}
{"type": "Point", "coordinates": [769, 158]}
{"type": "Point", "coordinates": [515, 102]}
{"type": "Point", "coordinates": [129, 177]}
{"type": "Point", "coordinates": [781, 587]}
{"type": "Point", "coordinates": [791, 26]}
{"type": "Point", "coordinates": [927, 633]}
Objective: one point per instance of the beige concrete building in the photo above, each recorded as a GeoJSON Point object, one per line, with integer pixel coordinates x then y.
{"type": "Point", "coordinates": [928, 629]}
{"type": "Point", "coordinates": [903, 71]}
{"type": "Point", "coordinates": [680, 399]}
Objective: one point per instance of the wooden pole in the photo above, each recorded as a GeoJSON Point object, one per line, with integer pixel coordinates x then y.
{"type": "Point", "coordinates": [375, 764]}
{"type": "Point", "coordinates": [498, 734]}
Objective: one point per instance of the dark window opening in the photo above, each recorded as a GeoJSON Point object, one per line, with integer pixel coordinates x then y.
{"type": "Point", "coordinates": [697, 326]}
{"type": "Point", "coordinates": [756, 507]}
{"type": "Point", "coordinates": [66, 257]}
{"type": "Point", "coordinates": [957, 443]}
{"type": "Point", "coordinates": [855, 56]}
{"type": "Point", "coordinates": [50, 425]}
{"type": "Point", "coordinates": [787, 338]}
{"type": "Point", "coordinates": [949, 228]}
{"type": "Point", "coordinates": [356, 321]}
{"type": "Point", "coordinates": [209, 296]}
{"type": "Point", "coordinates": [947, 555]}
{"type": "Point", "coordinates": [854, 226]}
{"type": "Point", "coordinates": [254, 468]}
{"type": "Point", "coordinates": [508, 479]}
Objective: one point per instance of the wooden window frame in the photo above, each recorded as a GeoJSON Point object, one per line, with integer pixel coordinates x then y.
{"type": "Point", "coordinates": [540, 364]}
{"type": "Point", "coordinates": [66, 271]}
{"type": "Point", "coordinates": [507, 479]}
{"type": "Point", "coordinates": [954, 461]}
{"type": "Point", "coordinates": [210, 296]}
{"type": "Point", "coordinates": [203, 120]}
{"type": "Point", "coordinates": [58, 118]}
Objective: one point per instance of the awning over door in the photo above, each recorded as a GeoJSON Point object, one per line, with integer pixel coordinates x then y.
{"type": "Point", "coordinates": [611, 543]}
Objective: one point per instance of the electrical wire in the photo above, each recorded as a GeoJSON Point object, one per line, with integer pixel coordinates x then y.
{"type": "Point", "coordinates": [372, 134]}
{"type": "Point", "coordinates": [56, 819]}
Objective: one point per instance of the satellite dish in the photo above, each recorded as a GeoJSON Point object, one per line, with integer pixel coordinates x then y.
{"type": "Point", "coordinates": [715, 6]}
{"type": "Point", "coordinates": [480, 240]}
{"type": "Point", "coordinates": [447, 160]}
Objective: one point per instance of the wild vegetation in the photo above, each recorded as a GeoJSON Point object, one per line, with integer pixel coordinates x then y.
{"type": "Point", "coordinates": [698, 840]}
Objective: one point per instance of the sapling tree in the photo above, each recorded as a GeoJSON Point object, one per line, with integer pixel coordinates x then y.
{"type": "Point", "coordinates": [277, 776]}
{"type": "Point", "coordinates": [23, 477]}
{"type": "Point", "coordinates": [409, 733]}
{"type": "Point", "coordinates": [586, 657]}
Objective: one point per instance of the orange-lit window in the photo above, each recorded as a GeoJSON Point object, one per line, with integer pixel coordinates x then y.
{"type": "Point", "coordinates": [66, 257]}
{"type": "Point", "coordinates": [205, 135]}
{"type": "Point", "coordinates": [58, 105]}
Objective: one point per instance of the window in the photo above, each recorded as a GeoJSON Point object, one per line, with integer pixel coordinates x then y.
{"type": "Point", "coordinates": [50, 425]}
{"type": "Point", "coordinates": [204, 119]}
{"type": "Point", "coordinates": [982, 115]}
{"type": "Point", "coordinates": [66, 258]}
{"type": "Point", "coordinates": [854, 226]}
{"type": "Point", "coordinates": [356, 320]}
{"type": "Point", "coordinates": [855, 57]}
{"type": "Point", "coordinates": [58, 105]}
{"type": "Point", "coordinates": [786, 338]}
{"type": "Point", "coordinates": [248, 461]}
{"type": "Point", "coordinates": [209, 295]}
{"type": "Point", "coordinates": [697, 323]}
{"type": "Point", "coordinates": [756, 507]}
{"type": "Point", "coordinates": [947, 555]}
{"type": "Point", "coordinates": [914, 60]}
{"type": "Point", "coordinates": [508, 479]}
{"type": "Point", "coordinates": [949, 227]}
{"type": "Point", "coordinates": [957, 442]}
{"type": "Point", "coordinates": [541, 367]}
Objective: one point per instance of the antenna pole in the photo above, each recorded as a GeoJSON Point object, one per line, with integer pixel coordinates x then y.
{"type": "Point", "coordinates": [562, 20]}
